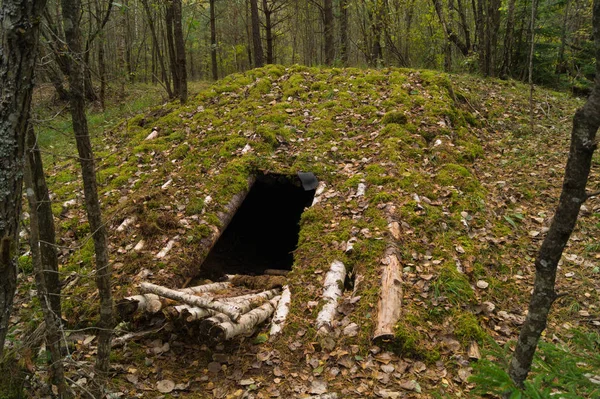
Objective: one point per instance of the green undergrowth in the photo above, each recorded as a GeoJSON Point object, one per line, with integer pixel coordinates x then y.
{"type": "Point", "coordinates": [412, 137]}
{"type": "Point", "coordinates": [565, 369]}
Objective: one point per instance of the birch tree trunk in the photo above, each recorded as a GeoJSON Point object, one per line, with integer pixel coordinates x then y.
{"type": "Point", "coordinates": [246, 324]}
{"type": "Point", "coordinates": [19, 36]}
{"type": "Point", "coordinates": [583, 144]}
{"type": "Point", "coordinates": [71, 12]}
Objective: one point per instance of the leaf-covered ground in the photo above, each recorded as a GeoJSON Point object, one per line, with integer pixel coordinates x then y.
{"type": "Point", "coordinates": [450, 158]}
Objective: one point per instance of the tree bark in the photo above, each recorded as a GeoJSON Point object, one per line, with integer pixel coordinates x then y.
{"type": "Point", "coordinates": [268, 31]}
{"type": "Point", "coordinates": [328, 31]}
{"type": "Point", "coordinates": [19, 39]}
{"type": "Point", "coordinates": [344, 32]}
{"type": "Point", "coordinates": [180, 51]}
{"type": "Point", "coordinates": [583, 144]}
{"type": "Point", "coordinates": [332, 290]}
{"type": "Point", "coordinates": [390, 297]}
{"type": "Point", "coordinates": [508, 40]}
{"type": "Point", "coordinates": [230, 310]}
{"type": "Point", "coordinates": [258, 50]}
{"type": "Point", "coordinates": [71, 11]}
{"type": "Point", "coordinates": [222, 329]}
{"type": "Point", "coordinates": [213, 41]}
{"type": "Point", "coordinates": [283, 308]}
{"type": "Point", "coordinates": [44, 258]}
{"type": "Point", "coordinates": [169, 16]}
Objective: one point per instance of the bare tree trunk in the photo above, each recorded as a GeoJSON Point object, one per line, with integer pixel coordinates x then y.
{"type": "Point", "coordinates": [329, 31]}
{"type": "Point", "coordinates": [268, 31]}
{"type": "Point", "coordinates": [508, 40]}
{"type": "Point", "coordinates": [531, 53]}
{"type": "Point", "coordinates": [171, 49]}
{"type": "Point", "coordinates": [44, 258]}
{"type": "Point", "coordinates": [71, 10]}
{"type": "Point", "coordinates": [258, 50]}
{"type": "Point", "coordinates": [344, 32]}
{"type": "Point", "coordinates": [19, 39]}
{"type": "Point", "coordinates": [583, 143]}
{"type": "Point", "coordinates": [213, 41]}
{"type": "Point", "coordinates": [180, 51]}
{"type": "Point", "coordinates": [157, 55]}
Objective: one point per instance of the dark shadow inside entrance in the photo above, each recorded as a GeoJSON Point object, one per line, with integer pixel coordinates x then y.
{"type": "Point", "coordinates": [263, 233]}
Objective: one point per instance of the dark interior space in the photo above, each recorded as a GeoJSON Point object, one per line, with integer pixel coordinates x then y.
{"type": "Point", "coordinates": [264, 232]}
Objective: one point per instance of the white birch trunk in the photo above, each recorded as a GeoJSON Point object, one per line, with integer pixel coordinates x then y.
{"type": "Point", "coordinates": [281, 312]}
{"type": "Point", "coordinates": [246, 324]}
{"type": "Point", "coordinates": [332, 290]}
{"type": "Point", "coordinates": [390, 297]}
{"type": "Point", "coordinates": [231, 310]}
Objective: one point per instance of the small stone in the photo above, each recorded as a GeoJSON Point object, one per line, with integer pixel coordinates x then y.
{"type": "Point", "coordinates": [482, 284]}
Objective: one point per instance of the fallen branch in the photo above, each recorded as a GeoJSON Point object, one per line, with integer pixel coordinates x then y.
{"type": "Point", "coordinates": [281, 312]}
{"type": "Point", "coordinates": [230, 310]}
{"type": "Point", "coordinates": [332, 290]}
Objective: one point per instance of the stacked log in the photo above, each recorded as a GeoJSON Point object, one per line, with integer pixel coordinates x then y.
{"type": "Point", "coordinates": [206, 307]}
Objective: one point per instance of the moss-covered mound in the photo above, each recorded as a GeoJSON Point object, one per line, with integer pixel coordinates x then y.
{"type": "Point", "coordinates": [415, 139]}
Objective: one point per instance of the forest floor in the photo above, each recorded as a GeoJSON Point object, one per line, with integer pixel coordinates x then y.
{"type": "Point", "coordinates": [475, 191]}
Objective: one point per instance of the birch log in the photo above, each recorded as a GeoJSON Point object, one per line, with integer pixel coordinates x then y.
{"type": "Point", "coordinates": [229, 309]}
{"type": "Point", "coordinates": [245, 302]}
{"type": "Point", "coordinates": [246, 324]}
{"type": "Point", "coordinates": [206, 288]}
{"type": "Point", "coordinates": [226, 216]}
{"type": "Point", "coordinates": [390, 297]}
{"type": "Point", "coordinates": [332, 290]}
{"type": "Point", "coordinates": [283, 307]}
{"type": "Point", "coordinates": [149, 303]}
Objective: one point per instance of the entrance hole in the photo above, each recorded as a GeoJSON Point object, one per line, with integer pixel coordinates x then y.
{"type": "Point", "coordinates": [263, 233]}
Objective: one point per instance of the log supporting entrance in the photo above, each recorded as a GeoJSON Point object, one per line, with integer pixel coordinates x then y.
{"type": "Point", "coordinates": [263, 233]}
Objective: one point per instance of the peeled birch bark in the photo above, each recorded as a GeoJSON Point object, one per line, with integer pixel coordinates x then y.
{"type": "Point", "coordinates": [283, 307]}
{"type": "Point", "coordinates": [231, 310]}
{"type": "Point", "coordinates": [332, 290]}
{"type": "Point", "coordinates": [206, 288]}
{"type": "Point", "coordinates": [246, 324]}
{"type": "Point", "coordinates": [390, 298]}
{"type": "Point", "coordinates": [148, 303]}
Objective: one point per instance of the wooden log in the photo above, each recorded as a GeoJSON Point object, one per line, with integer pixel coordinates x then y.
{"type": "Point", "coordinates": [245, 303]}
{"type": "Point", "coordinates": [332, 290]}
{"type": "Point", "coordinates": [246, 324]}
{"type": "Point", "coordinates": [206, 288]}
{"type": "Point", "coordinates": [229, 309]}
{"type": "Point", "coordinates": [390, 296]}
{"type": "Point", "coordinates": [259, 282]}
{"type": "Point", "coordinates": [281, 312]}
{"type": "Point", "coordinates": [149, 303]}
{"type": "Point", "coordinates": [276, 272]}
{"type": "Point", "coordinates": [226, 215]}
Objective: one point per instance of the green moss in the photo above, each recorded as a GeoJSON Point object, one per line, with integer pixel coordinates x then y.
{"type": "Point", "coordinates": [195, 206]}
{"type": "Point", "coordinates": [453, 285]}
{"type": "Point", "coordinates": [467, 328]}
{"type": "Point", "coordinates": [394, 117]}
{"type": "Point", "coordinates": [458, 176]}
{"type": "Point", "coordinates": [25, 264]}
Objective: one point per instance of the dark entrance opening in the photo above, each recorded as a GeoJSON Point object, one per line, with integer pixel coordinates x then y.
{"type": "Point", "coordinates": [263, 233]}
